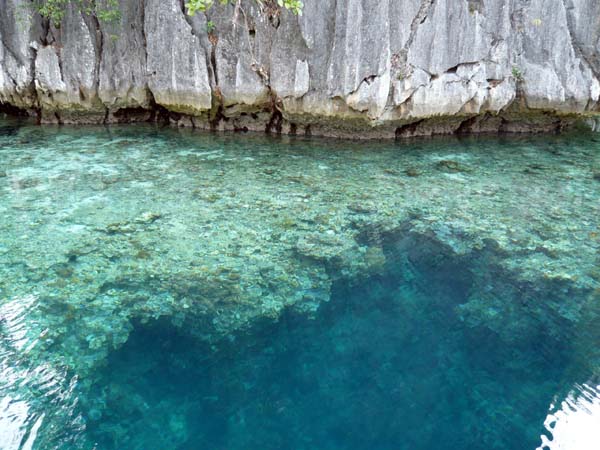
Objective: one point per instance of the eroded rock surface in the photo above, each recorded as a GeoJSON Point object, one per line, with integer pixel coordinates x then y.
{"type": "Point", "coordinates": [353, 67]}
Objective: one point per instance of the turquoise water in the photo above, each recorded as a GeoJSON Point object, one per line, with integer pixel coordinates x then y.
{"type": "Point", "coordinates": [166, 289]}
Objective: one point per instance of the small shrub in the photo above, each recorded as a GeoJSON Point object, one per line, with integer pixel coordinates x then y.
{"type": "Point", "coordinates": [517, 73]}
{"type": "Point", "coordinates": [54, 10]}
{"type": "Point", "coordinates": [210, 27]}
{"type": "Point", "coordinates": [193, 6]}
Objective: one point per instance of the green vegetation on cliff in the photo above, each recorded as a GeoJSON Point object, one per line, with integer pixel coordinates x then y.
{"type": "Point", "coordinates": [294, 6]}
{"type": "Point", "coordinates": [108, 11]}
{"type": "Point", "coordinates": [54, 10]}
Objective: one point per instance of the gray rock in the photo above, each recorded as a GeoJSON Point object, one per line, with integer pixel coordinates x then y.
{"type": "Point", "coordinates": [176, 62]}
{"type": "Point", "coordinates": [349, 68]}
{"type": "Point", "coordinates": [123, 79]}
{"type": "Point", "coordinates": [16, 57]}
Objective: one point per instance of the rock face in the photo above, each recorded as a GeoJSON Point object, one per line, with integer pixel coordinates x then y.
{"type": "Point", "coordinates": [347, 67]}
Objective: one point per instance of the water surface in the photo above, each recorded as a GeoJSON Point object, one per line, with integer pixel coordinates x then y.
{"type": "Point", "coordinates": [165, 289]}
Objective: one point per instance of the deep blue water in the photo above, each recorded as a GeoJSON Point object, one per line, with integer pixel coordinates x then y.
{"type": "Point", "coordinates": [438, 339]}
{"type": "Point", "coordinates": [387, 364]}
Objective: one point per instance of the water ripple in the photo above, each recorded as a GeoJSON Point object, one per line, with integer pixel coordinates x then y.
{"type": "Point", "coordinates": [28, 387]}
{"type": "Point", "coordinates": [573, 423]}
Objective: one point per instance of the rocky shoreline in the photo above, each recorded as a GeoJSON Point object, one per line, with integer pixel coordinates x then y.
{"type": "Point", "coordinates": [344, 69]}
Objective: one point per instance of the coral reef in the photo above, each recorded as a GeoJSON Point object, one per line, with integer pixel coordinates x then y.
{"type": "Point", "coordinates": [108, 234]}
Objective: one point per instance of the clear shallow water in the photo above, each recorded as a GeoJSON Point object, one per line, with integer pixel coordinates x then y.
{"type": "Point", "coordinates": [169, 290]}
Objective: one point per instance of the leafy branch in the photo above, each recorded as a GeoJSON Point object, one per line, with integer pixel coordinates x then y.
{"type": "Point", "coordinates": [54, 10]}
{"type": "Point", "coordinates": [193, 6]}
{"type": "Point", "coordinates": [108, 10]}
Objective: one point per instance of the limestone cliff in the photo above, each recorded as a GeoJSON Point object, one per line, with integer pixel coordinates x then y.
{"type": "Point", "coordinates": [379, 68]}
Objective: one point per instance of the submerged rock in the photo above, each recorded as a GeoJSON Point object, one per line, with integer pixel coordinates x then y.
{"type": "Point", "coordinates": [412, 172]}
{"type": "Point", "coordinates": [148, 217]}
{"type": "Point", "coordinates": [448, 165]}
{"type": "Point", "coordinates": [149, 250]}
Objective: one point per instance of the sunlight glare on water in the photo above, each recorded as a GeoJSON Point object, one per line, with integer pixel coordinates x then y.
{"type": "Point", "coordinates": [575, 424]}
